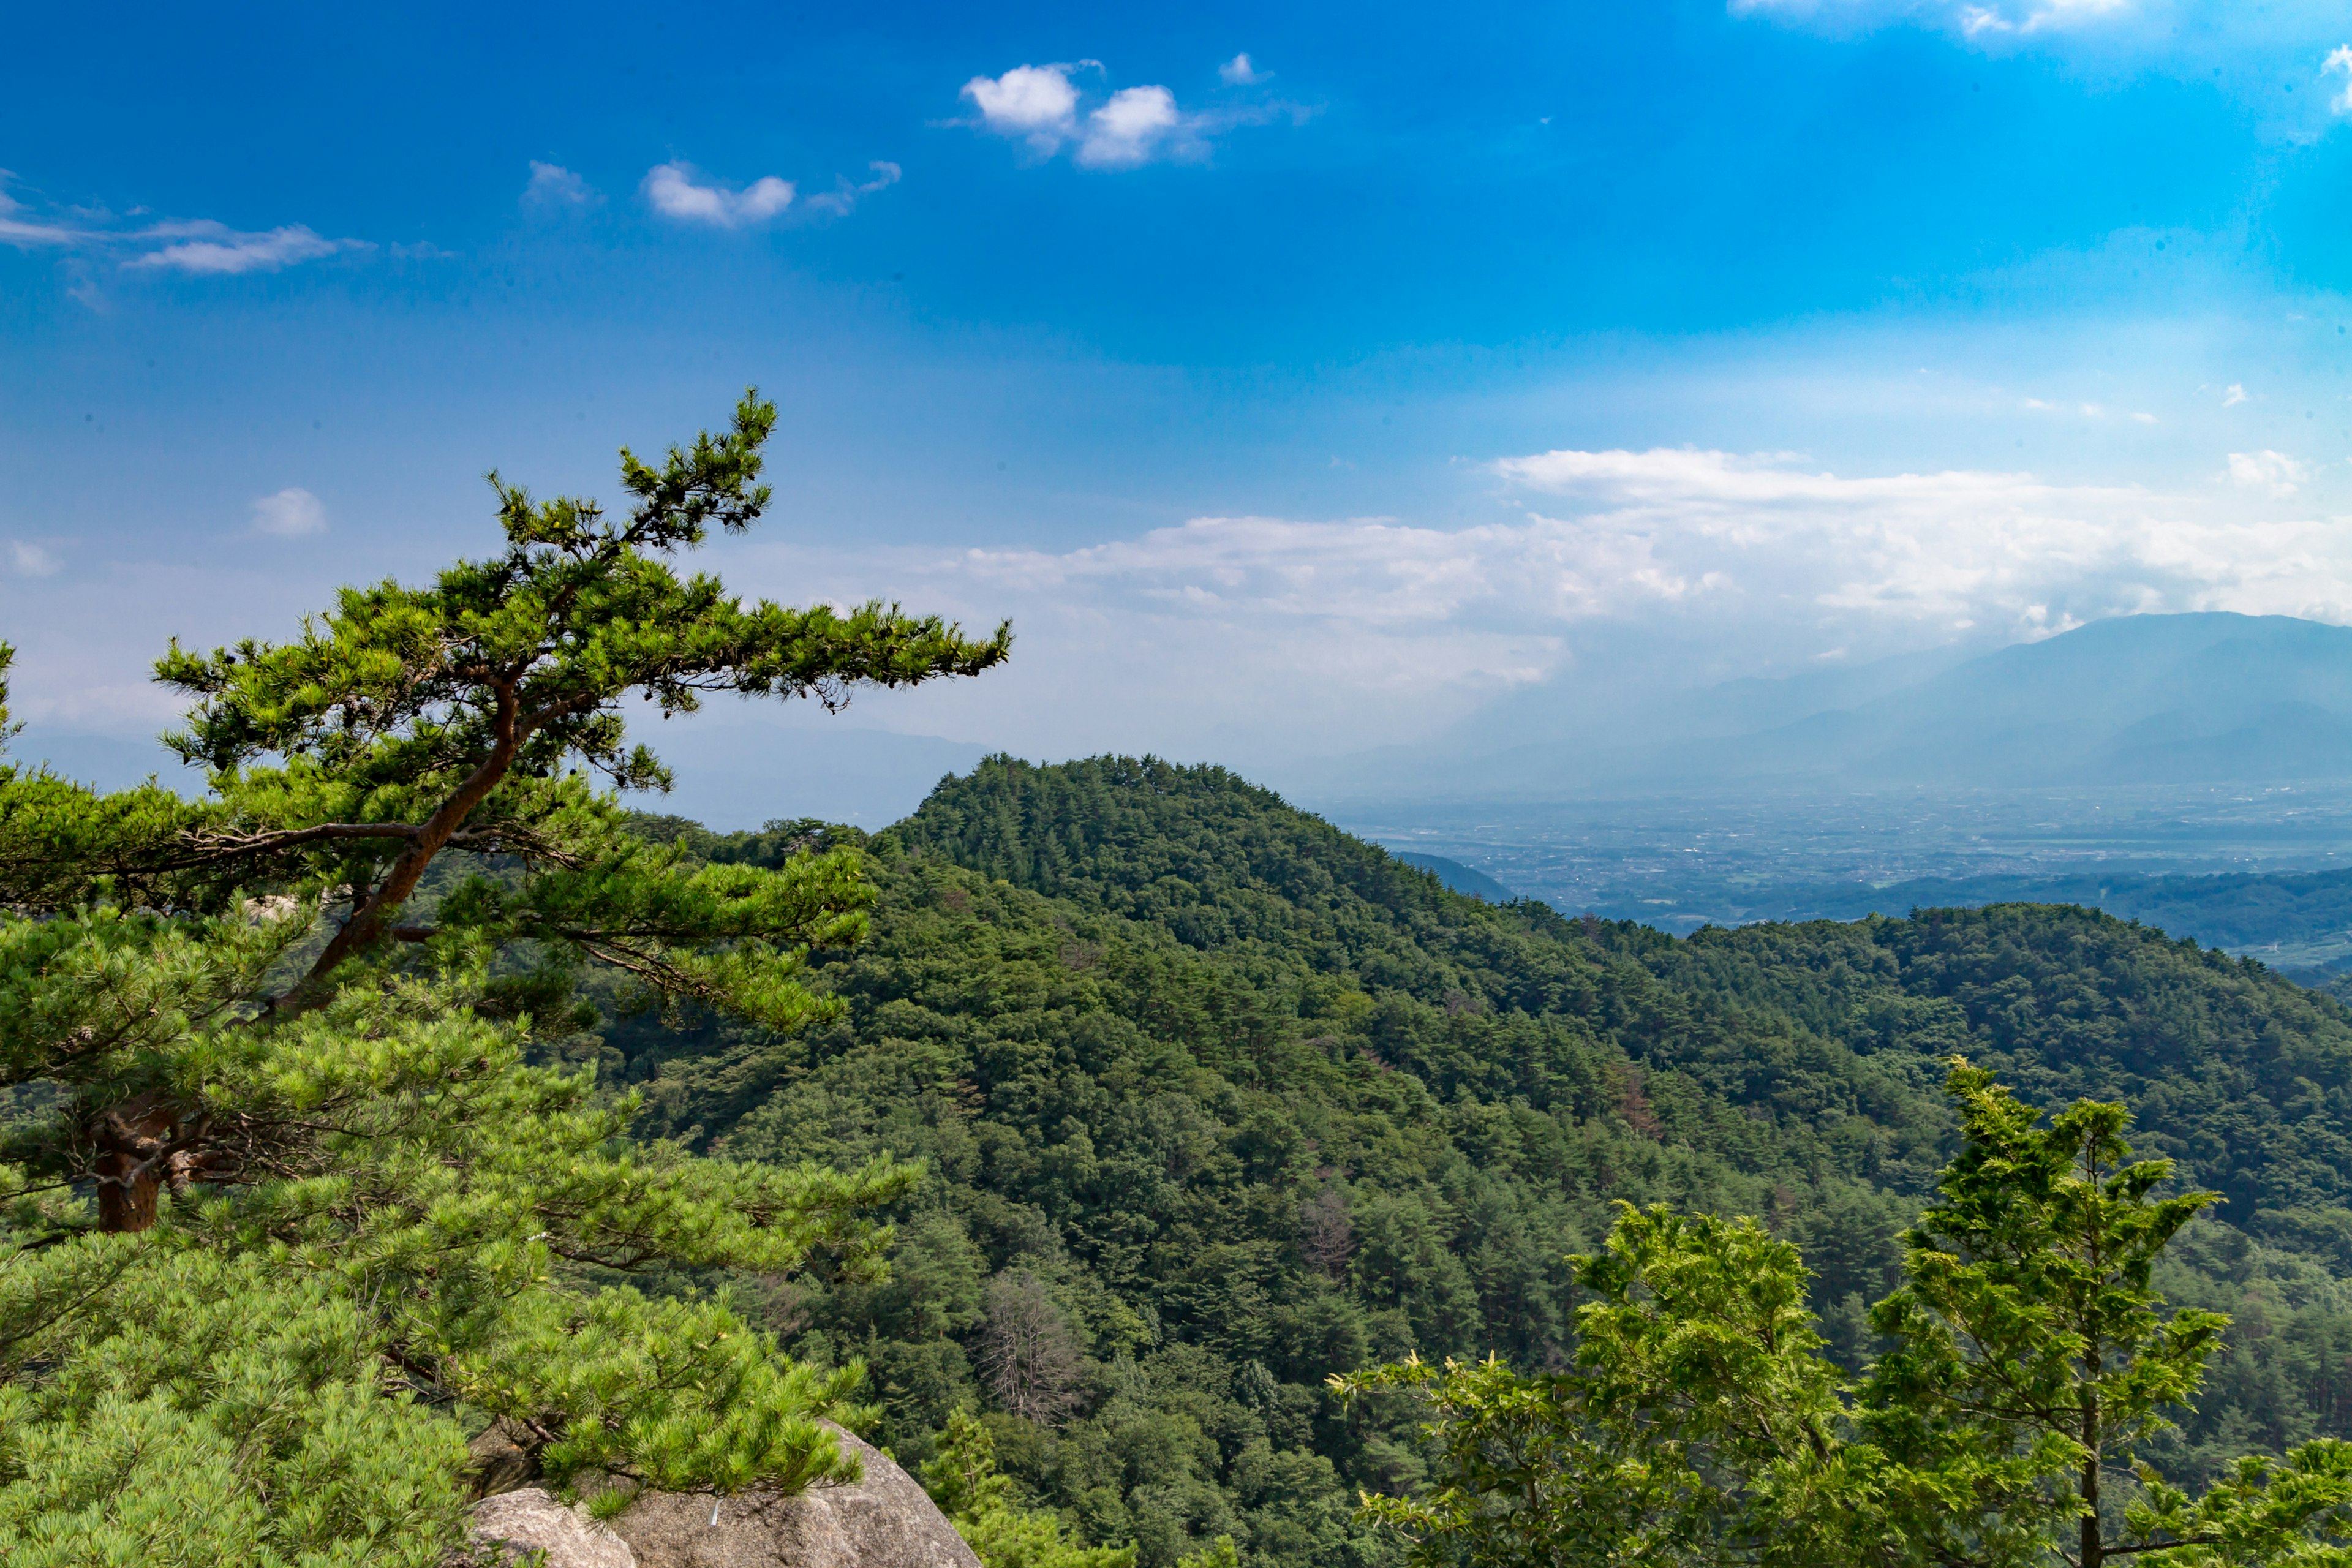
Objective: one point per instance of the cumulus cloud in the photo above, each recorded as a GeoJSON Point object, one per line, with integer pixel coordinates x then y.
{"type": "Point", "coordinates": [2274, 471]}
{"type": "Point", "coordinates": [1964, 548]}
{"type": "Point", "coordinates": [553, 186]}
{"type": "Point", "coordinates": [290, 514]}
{"type": "Point", "coordinates": [1130, 129]}
{"type": "Point", "coordinates": [1035, 103]}
{"type": "Point", "coordinates": [676, 190]}
{"type": "Point", "coordinates": [2340, 60]}
{"type": "Point", "coordinates": [1041, 107]}
{"type": "Point", "coordinates": [2232, 395]}
{"type": "Point", "coordinates": [1349, 633]}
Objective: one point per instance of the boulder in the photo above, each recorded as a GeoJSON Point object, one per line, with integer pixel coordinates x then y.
{"type": "Point", "coordinates": [886, 1520]}
{"type": "Point", "coordinates": [510, 1525]}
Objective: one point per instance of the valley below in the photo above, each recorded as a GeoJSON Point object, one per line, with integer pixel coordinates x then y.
{"type": "Point", "coordinates": [2263, 869]}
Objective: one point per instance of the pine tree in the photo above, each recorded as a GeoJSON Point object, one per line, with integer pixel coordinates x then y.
{"type": "Point", "coordinates": [287, 1211]}
{"type": "Point", "coordinates": [1699, 1422]}
{"type": "Point", "coordinates": [2034, 1358]}
{"type": "Point", "coordinates": [977, 1498]}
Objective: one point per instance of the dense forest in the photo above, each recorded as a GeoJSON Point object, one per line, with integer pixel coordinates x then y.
{"type": "Point", "coordinates": [1213, 1101]}
{"type": "Point", "coordinates": [1173, 1180]}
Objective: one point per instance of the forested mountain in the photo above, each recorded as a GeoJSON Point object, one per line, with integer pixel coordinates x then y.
{"type": "Point", "coordinates": [1215, 1100]}
{"type": "Point", "coordinates": [1461, 878]}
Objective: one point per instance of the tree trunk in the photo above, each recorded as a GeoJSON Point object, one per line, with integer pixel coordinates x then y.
{"type": "Point", "coordinates": [130, 1139]}
{"type": "Point", "coordinates": [2094, 1546]}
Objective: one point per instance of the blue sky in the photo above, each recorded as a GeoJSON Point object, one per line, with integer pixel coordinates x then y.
{"type": "Point", "coordinates": [1299, 382]}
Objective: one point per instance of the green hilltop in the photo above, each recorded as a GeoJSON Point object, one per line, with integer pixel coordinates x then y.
{"type": "Point", "coordinates": [1214, 1101]}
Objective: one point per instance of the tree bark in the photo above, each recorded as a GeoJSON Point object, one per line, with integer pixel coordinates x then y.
{"type": "Point", "coordinates": [132, 1140]}
{"type": "Point", "coordinates": [2094, 1547]}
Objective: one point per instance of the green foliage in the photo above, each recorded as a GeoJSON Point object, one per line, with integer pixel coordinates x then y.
{"type": "Point", "coordinates": [2030, 1361]}
{"type": "Point", "coordinates": [1252, 1104]}
{"type": "Point", "coordinates": [963, 1479]}
{"type": "Point", "coordinates": [165, 1404]}
{"type": "Point", "coordinates": [1698, 1423]}
{"type": "Point", "coordinates": [350, 1206]}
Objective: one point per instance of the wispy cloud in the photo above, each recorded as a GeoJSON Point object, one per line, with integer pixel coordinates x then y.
{"type": "Point", "coordinates": [848, 193]}
{"type": "Point", "coordinates": [2340, 60]}
{"type": "Point", "coordinates": [202, 247]}
{"type": "Point", "coordinates": [676, 190]}
{"type": "Point", "coordinates": [23, 234]}
{"type": "Point", "coordinates": [1971, 18]}
{"type": "Point", "coordinates": [290, 514]}
{"type": "Point", "coordinates": [215, 248]}
{"type": "Point", "coordinates": [32, 561]}
{"type": "Point", "coordinates": [2037, 16]}
{"type": "Point", "coordinates": [1043, 108]}
{"type": "Point", "coordinates": [553, 186]}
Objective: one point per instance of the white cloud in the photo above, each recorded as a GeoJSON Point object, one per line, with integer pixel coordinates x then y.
{"type": "Point", "coordinates": [290, 514]}
{"type": "Point", "coordinates": [672, 190]}
{"type": "Point", "coordinates": [24, 235]}
{"type": "Point", "coordinates": [848, 194]}
{"type": "Point", "coordinates": [1618, 564]}
{"type": "Point", "coordinates": [553, 186]}
{"type": "Point", "coordinates": [32, 561]}
{"type": "Point", "coordinates": [2235, 396]}
{"type": "Point", "coordinates": [215, 248]}
{"type": "Point", "coordinates": [2340, 60]}
{"type": "Point", "coordinates": [1040, 105]}
{"type": "Point", "coordinates": [1130, 129]}
{"type": "Point", "coordinates": [2274, 471]}
{"type": "Point", "coordinates": [2037, 16]}
{"type": "Point", "coordinates": [1940, 549]}
{"type": "Point", "coordinates": [1035, 103]}
{"type": "Point", "coordinates": [1239, 72]}
{"type": "Point", "coordinates": [202, 247]}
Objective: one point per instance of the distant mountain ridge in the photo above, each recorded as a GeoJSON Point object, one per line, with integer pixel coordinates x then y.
{"type": "Point", "coordinates": [1461, 878]}
{"type": "Point", "coordinates": [2207, 697]}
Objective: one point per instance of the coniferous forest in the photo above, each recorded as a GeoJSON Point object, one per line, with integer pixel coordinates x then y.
{"type": "Point", "coordinates": [1214, 1101]}
{"type": "Point", "coordinates": [1163, 1174]}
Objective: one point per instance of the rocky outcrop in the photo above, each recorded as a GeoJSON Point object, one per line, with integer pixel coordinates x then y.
{"type": "Point", "coordinates": [885, 1521]}
{"type": "Point", "coordinates": [511, 1526]}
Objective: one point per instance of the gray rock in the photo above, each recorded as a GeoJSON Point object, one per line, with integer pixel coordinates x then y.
{"type": "Point", "coordinates": [886, 1520]}
{"type": "Point", "coordinates": [531, 1521]}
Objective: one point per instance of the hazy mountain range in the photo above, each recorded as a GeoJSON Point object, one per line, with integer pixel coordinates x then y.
{"type": "Point", "coordinates": [2141, 699]}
